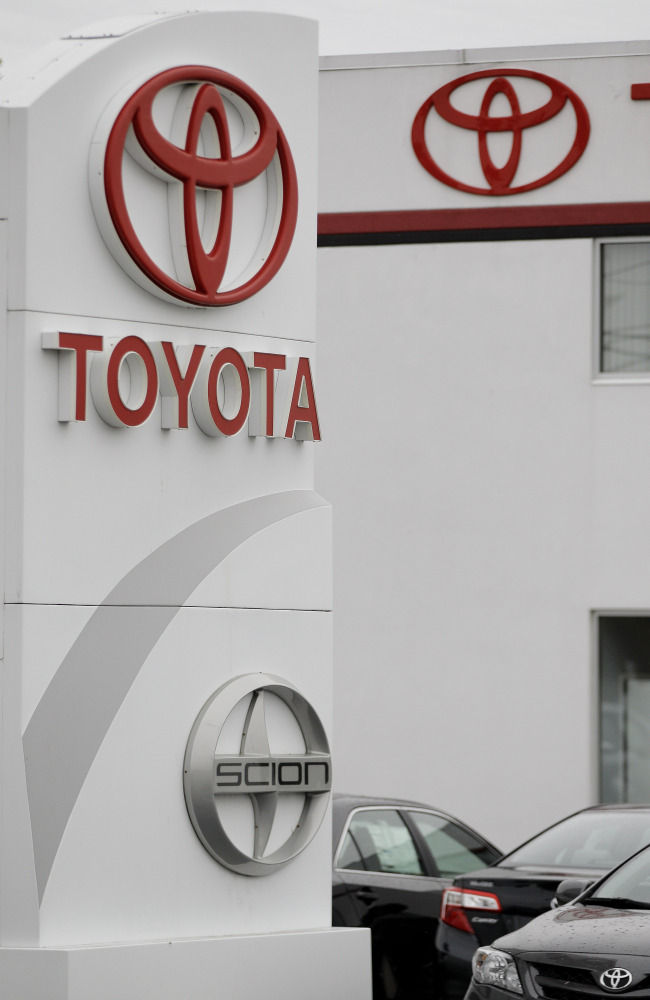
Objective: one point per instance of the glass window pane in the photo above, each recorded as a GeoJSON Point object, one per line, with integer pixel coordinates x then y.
{"type": "Point", "coordinates": [624, 655]}
{"type": "Point", "coordinates": [454, 849]}
{"type": "Point", "coordinates": [385, 842]}
{"type": "Point", "coordinates": [632, 881]}
{"type": "Point", "coordinates": [350, 856]}
{"type": "Point", "coordinates": [588, 840]}
{"type": "Point", "coordinates": [625, 307]}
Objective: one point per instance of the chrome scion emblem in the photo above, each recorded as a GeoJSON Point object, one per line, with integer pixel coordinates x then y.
{"type": "Point", "coordinates": [616, 979]}
{"type": "Point", "coordinates": [257, 711]}
{"type": "Point", "coordinates": [208, 144]}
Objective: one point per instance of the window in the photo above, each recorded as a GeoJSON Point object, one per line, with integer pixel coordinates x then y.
{"type": "Point", "coordinates": [624, 341]}
{"type": "Point", "coordinates": [586, 840]}
{"type": "Point", "coordinates": [624, 668]}
{"type": "Point", "coordinates": [454, 849]}
{"type": "Point", "coordinates": [378, 841]}
{"type": "Point", "coordinates": [350, 856]}
{"type": "Point", "coordinates": [632, 881]}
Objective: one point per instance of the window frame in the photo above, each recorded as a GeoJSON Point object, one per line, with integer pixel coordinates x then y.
{"type": "Point", "coordinates": [450, 821]}
{"type": "Point", "coordinates": [423, 854]}
{"type": "Point", "coordinates": [599, 377]}
{"type": "Point", "coordinates": [426, 857]}
{"type": "Point", "coordinates": [596, 696]}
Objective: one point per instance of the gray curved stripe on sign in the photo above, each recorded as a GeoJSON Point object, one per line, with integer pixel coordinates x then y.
{"type": "Point", "coordinates": [73, 716]}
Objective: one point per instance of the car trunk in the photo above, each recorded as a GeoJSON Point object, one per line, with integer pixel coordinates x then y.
{"type": "Point", "coordinates": [523, 893]}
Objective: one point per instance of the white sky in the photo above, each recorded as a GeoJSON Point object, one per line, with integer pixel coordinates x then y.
{"type": "Point", "coordinates": [353, 26]}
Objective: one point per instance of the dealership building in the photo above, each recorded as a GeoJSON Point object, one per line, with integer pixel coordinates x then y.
{"type": "Point", "coordinates": [257, 314]}
{"type": "Point", "coordinates": [484, 379]}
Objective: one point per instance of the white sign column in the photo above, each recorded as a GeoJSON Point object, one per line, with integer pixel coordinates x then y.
{"type": "Point", "coordinates": [164, 549]}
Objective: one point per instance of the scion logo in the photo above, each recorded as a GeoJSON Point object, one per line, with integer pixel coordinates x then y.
{"type": "Point", "coordinates": [288, 791]}
{"type": "Point", "coordinates": [556, 102]}
{"type": "Point", "coordinates": [616, 979]}
{"type": "Point", "coordinates": [206, 144]}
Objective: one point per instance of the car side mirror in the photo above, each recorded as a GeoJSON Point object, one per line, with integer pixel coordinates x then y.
{"type": "Point", "coordinates": [570, 889]}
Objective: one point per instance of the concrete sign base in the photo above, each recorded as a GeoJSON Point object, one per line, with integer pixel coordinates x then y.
{"type": "Point", "coordinates": [318, 964]}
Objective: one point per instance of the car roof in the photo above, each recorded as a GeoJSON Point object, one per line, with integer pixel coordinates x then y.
{"type": "Point", "coordinates": [370, 800]}
{"type": "Point", "coordinates": [345, 802]}
{"type": "Point", "coordinates": [617, 807]}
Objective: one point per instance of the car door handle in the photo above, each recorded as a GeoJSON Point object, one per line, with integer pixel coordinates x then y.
{"type": "Point", "coordinates": [367, 895]}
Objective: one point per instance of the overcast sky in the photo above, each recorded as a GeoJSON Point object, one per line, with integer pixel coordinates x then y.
{"type": "Point", "coordinates": [349, 26]}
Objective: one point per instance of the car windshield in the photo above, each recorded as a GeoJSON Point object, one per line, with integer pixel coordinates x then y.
{"type": "Point", "coordinates": [594, 839]}
{"type": "Point", "coordinates": [629, 886]}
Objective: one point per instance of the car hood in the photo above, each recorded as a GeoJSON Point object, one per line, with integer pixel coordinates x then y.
{"type": "Point", "coordinates": [582, 929]}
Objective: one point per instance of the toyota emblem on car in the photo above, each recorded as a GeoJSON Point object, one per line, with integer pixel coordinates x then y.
{"type": "Point", "coordinates": [616, 979]}
{"type": "Point", "coordinates": [214, 778]}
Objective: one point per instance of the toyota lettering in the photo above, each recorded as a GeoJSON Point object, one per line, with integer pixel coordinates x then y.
{"type": "Point", "coordinates": [225, 389]}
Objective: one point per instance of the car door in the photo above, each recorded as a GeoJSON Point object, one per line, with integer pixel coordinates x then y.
{"type": "Point", "coordinates": [455, 849]}
{"type": "Point", "coordinates": [384, 872]}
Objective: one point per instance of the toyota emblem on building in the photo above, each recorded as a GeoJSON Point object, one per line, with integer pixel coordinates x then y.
{"type": "Point", "coordinates": [194, 187]}
{"type": "Point", "coordinates": [547, 100]}
{"type": "Point", "coordinates": [261, 713]}
{"type": "Point", "coordinates": [616, 979]}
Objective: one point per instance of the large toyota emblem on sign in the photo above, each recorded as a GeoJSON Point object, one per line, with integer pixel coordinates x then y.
{"type": "Point", "coordinates": [479, 100]}
{"type": "Point", "coordinates": [257, 774]}
{"type": "Point", "coordinates": [194, 187]}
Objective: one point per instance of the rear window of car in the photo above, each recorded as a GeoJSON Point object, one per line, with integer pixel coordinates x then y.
{"type": "Point", "coordinates": [597, 840]}
{"type": "Point", "coordinates": [455, 849]}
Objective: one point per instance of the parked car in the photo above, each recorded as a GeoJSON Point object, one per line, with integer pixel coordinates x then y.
{"type": "Point", "coordinates": [597, 945]}
{"type": "Point", "coordinates": [392, 860]}
{"type": "Point", "coordinates": [485, 904]}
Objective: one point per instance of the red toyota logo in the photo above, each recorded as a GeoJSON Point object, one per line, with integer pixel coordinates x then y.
{"type": "Point", "coordinates": [500, 179]}
{"type": "Point", "coordinates": [203, 169]}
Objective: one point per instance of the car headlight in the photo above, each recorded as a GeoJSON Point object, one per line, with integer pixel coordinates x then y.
{"type": "Point", "coordinates": [496, 968]}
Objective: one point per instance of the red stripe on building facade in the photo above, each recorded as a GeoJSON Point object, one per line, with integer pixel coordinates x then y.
{"type": "Point", "coordinates": [515, 217]}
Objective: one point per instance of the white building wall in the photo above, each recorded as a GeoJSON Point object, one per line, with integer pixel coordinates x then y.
{"type": "Point", "coordinates": [488, 493]}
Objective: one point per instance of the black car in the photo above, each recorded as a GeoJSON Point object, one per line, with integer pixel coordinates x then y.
{"type": "Point", "coordinates": [589, 949]}
{"type": "Point", "coordinates": [392, 860]}
{"type": "Point", "coordinates": [483, 905]}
